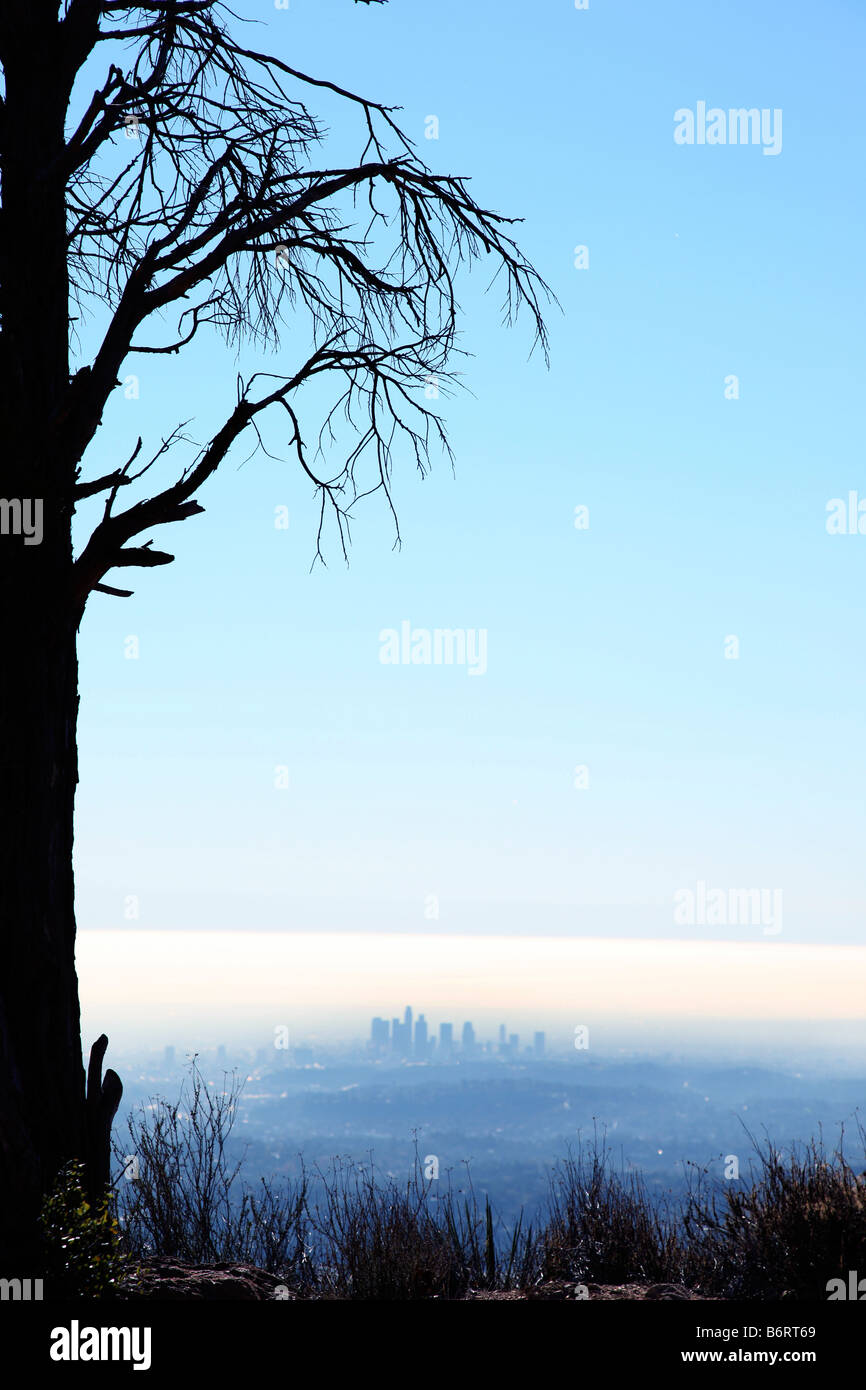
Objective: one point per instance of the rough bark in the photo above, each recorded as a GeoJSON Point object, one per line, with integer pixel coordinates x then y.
{"type": "Point", "coordinates": [41, 1075]}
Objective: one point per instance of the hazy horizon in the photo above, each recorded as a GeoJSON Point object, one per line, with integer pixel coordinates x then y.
{"type": "Point", "coordinates": [199, 989]}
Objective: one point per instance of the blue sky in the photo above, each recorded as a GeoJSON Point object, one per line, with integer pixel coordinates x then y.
{"type": "Point", "coordinates": [606, 645]}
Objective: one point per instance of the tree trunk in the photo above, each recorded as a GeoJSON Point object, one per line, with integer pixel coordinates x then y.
{"type": "Point", "coordinates": [41, 1075]}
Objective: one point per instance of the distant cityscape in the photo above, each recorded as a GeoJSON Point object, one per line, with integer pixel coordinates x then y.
{"type": "Point", "coordinates": [411, 1037]}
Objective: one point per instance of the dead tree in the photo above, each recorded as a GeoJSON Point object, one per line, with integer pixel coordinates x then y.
{"type": "Point", "coordinates": [188, 191]}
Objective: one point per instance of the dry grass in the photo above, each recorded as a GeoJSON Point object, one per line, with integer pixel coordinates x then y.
{"type": "Point", "coordinates": [797, 1220]}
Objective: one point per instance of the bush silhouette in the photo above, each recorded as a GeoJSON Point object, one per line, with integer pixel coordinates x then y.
{"type": "Point", "coordinates": [81, 1240]}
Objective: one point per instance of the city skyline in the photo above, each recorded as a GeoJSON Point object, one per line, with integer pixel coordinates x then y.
{"type": "Point", "coordinates": [397, 1036]}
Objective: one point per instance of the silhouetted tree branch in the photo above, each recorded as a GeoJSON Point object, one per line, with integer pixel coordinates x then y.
{"type": "Point", "coordinates": [221, 202]}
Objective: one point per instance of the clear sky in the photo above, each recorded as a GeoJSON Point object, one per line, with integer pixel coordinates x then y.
{"type": "Point", "coordinates": [422, 789]}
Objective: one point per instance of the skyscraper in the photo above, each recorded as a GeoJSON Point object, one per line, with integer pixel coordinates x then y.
{"type": "Point", "coordinates": [538, 1044]}
{"type": "Point", "coordinates": [468, 1039]}
{"type": "Point", "coordinates": [421, 1039]}
{"type": "Point", "coordinates": [446, 1040]}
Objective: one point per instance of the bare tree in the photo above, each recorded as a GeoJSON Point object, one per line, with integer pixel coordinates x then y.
{"type": "Point", "coordinates": [187, 191]}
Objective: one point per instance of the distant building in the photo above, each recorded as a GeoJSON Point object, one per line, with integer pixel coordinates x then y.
{"type": "Point", "coordinates": [503, 1044]}
{"type": "Point", "coordinates": [538, 1044]}
{"type": "Point", "coordinates": [513, 1044]}
{"type": "Point", "coordinates": [446, 1040]}
{"type": "Point", "coordinates": [401, 1035]}
{"type": "Point", "coordinates": [379, 1034]}
{"type": "Point", "coordinates": [421, 1048]}
{"type": "Point", "coordinates": [468, 1040]}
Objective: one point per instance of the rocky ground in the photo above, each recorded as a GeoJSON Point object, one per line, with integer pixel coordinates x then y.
{"type": "Point", "coordinates": [171, 1280]}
